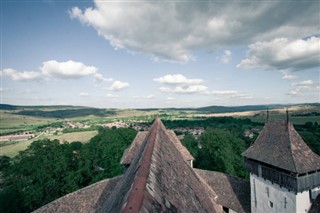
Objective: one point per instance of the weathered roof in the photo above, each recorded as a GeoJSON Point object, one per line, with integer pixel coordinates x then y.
{"type": "Point", "coordinates": [280, 145]}
{"type": "Point", "coordinates": [232, 192]}
{"type": "Point", "coordinates": [160, 180]}
{"type": "Point", "coordinates": [131, 152]}
{"type": "Point", "coordinates": [88, 199]}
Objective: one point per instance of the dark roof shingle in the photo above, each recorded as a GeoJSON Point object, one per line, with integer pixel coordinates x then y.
{"type": "Point", "coordinates": [280, 145]}
{"type": "Point", "coordinates": [232, 192]}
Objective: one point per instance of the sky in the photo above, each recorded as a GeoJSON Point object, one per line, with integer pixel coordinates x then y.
{"type": "Point", "coordinates": [158, 54]}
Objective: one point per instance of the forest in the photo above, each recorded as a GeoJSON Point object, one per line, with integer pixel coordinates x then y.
{"type": "Point", "coordinates": [49, 169]}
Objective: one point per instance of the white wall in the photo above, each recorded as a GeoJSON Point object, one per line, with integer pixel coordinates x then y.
{"type": "Point", "coordinates": [283, 201]}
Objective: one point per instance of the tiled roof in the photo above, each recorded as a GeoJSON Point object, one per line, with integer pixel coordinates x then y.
{"type": "Point", "coordinates": [232, 192]}
{"type": "Point", "coordinates": [160, 180]}
{"type": "Point", "coordinates": [131, 152]}
{"type": "Point", "coordinates": [88, 199]}
{"type": "Point", "coordinates": [280, 145]}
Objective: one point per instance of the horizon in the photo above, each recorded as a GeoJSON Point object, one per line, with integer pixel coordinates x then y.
{"type": "Point", "coordinates": [128, 55]}
{"type": "Point", "coordinates": [158, 108]}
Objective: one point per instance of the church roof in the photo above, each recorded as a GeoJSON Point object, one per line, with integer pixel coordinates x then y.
{"type": "Point", "coordinates": [88, 199]}
{"type": "Point", "coordinates": [232, 192]}
{"type": "Point", "coordinates": [281, 146]}
{"type": "Point", "coordinates": [131, 152]}
{"type": "Point", "coordinates": [160, 180]}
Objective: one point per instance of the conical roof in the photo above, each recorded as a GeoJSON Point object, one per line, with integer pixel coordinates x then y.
{"type": "Point", "coordinates": [160, 180]}
{"type": "Point", "coordinates": [281, 146]}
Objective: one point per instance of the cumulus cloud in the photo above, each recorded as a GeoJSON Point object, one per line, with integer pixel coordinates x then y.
{"type": "Point", "coordinates": [226, 57]}
{"type": "Point", "coordinates": [100, 78]}
{"type": "Point", "coordinates": [303, 87]}
{"type": "Point", "coordinates": [63, 70]}
{"type": "Point", "coordinates": [109, 95]}
{"type": "Point", "coordinates": [177, 79]}
{"type": "Point", "coordinates": [144, 97]}
{"type": "Point", "coordinates": [66, 70]}
{"type": "Point", "coordinates": [283, 54]}
{"type": "Point", "coordinates": [186, 89]}
{"type": "Point", "coordinates": [119, 85]}
{"type": "Point", "coordinates": [21, 76]}
{"type": "Point", "coordinates": [84, 94]}
{"type": "Point", "coordinates": [170, 98]}
{"type": "Point", "coordinates": [191, 26]}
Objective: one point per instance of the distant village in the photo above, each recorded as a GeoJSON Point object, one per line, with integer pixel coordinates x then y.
{"type": "Point", "coordinates": [138, 125]}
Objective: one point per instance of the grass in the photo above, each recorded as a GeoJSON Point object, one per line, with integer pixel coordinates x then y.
{"type": "Point", "coordinates": [13, 149]}
{"type": "Point", "coordinates": [10, 122]}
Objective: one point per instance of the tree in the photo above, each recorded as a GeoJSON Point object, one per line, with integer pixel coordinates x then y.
{"type": "Point", "coordinates": [221, 151]}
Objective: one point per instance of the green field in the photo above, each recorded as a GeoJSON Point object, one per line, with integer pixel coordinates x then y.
{"type": "Point", "coordinates": [13, 149]}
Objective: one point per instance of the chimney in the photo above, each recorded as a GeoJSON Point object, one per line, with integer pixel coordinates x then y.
{"type": "Point", "coordinates": [287, 112]}
{"type": "Point", "coordinates": [267, 114]}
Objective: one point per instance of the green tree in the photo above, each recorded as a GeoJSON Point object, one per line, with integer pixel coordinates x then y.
{"type": "Point", "coordinates": [221, 151]}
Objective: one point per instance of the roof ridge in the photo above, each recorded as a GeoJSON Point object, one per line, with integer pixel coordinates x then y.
{"type": "Point", "coordinates": [290, 148]}
{"type": "Point", "coordinates": [136, 195]}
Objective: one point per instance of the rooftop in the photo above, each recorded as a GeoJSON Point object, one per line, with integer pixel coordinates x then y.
{"type": "Point", "coordinates": [281, 146]}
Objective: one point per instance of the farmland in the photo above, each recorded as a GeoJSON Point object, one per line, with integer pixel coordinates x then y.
{"type": "Point", "coordinates": [73, 123]}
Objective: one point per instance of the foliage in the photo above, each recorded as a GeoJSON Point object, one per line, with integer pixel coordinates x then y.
{"type": "Point", "coordinates": [48, 169]}
{"type": "Point", "coordinates": [310, 132]}
{"type": "Point", "coordinates": [221, 151]}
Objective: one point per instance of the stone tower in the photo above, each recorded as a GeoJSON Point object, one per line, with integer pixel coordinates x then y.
{"type": "Point", "coordinates": [284, 172]}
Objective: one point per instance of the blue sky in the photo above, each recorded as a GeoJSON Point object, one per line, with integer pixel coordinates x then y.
{"type": "Point", "coordinates": [140, 54]}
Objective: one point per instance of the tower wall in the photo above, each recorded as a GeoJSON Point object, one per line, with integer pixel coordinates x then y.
{"type": "Point", "coordinates": [270, 197]}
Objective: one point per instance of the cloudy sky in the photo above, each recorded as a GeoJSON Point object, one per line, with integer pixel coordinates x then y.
{"type": "Point", "coordinates": [139, 54]}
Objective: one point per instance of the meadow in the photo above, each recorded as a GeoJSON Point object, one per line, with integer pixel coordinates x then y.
{"type": "Point", "coordinates": [13, 149]}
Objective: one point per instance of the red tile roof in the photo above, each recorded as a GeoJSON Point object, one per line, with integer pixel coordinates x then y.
{"type": "Point", "coordinates": [160, 180]}
{"type": "Point", "coordinates": [280, 145]}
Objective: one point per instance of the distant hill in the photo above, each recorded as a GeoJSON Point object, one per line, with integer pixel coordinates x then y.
{"type": "Point", "coordinates": [225, 109]}
{"type": "Point", "coordinates": [67, 111]}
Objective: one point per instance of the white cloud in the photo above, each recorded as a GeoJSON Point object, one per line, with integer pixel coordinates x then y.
{"type": "Point", "coordinates": [177, 79]}
{"type": "Point", "coordinates": [230, 94]}
{"type": "Point", "coordinates": [226, 57]}
{"type": "Point", "coordinates": [66, 70]}
{"type": "Point", "coordinates": [84, 94]}
{"type": "Point", "coordinates": [170, 98]}
{"type": "Point", "coordinates": [283, 54]}
{"type": "Point", "coordinates": [3, 90]}
{"type": "Point", "coordinates": [144, 97]}
{"type": "Point", "coordinates": [119, 85]}
{"type": "Point", "coordinates": [287, 76]}
{"type": "Point", "coordinates": [173, 30]}
{"type": "Point", "coordinates": [109, 95]}
{"type": "Point", "coordinates": [186, 89]}
{"type": "Point", "coordinates": [21, 76]}
{"type": "Point", "coordinates": [303, 87]}
{"type": "Point", "coordinates": [100, 78]}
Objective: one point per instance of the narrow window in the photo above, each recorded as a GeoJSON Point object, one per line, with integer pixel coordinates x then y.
{"type": "Point", "coordinates": [254, 193]}
{"type": "Point", "coordinates": [285, 202]}
{"type": "Point", "coordinates": [267, 191]}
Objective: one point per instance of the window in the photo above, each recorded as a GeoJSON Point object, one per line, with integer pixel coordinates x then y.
{"type": "Point", "coordinates": [270, 204]}
{"type": "Point", "coordinates": [285, 202]}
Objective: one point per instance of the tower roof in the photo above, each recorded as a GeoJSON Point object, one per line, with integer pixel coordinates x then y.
{"type": "Point", "coordinates": [280, 145]}
{"type": "Point", "coordinates": [159, 179]}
